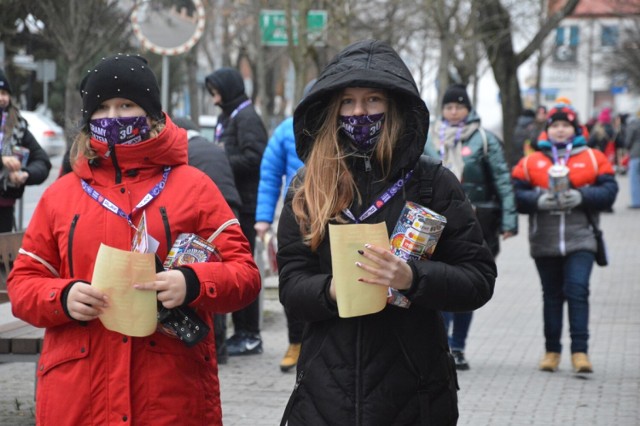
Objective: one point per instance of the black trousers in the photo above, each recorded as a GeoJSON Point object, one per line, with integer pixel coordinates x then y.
{"type": "Point", "coordinates": [7, 220]}
{"type": "Point", "coordinates": [295, 327]}
{"type": "Point", "coordinates": [247, 319]}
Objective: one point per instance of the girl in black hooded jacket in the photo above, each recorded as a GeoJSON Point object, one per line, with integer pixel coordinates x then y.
{"type": "Point", "coordinates": [392, 367]}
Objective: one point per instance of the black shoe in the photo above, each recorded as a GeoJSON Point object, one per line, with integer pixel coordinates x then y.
{"type": "Point", "coordinates": [461, 362]}
{"type": "Point", "coordinates": [244, 344]}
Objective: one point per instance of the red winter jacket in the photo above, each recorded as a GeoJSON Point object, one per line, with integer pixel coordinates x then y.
{"type": "Point", "coordinates": [559, 233]}
{"type": "Point", "coordinates": [88, 375]}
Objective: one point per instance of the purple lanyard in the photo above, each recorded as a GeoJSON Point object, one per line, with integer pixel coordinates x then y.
{"type": "Point", "coordinates": [443, 128]}
{"type": "Point", "coordinates": [107, 204]}
{"type": "Point", "coordinates": [220, 127]}
{"type": "Point", "coordinates": [567, 153]}
{"type": "Point", "coordinates": [381, 201]}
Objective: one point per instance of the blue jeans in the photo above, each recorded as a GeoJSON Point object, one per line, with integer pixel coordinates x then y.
{"type": "Point", "coordinates": [634, 181]}
{"type": "Point", "coordinates": [461, 323]}
{"type": "Point", "coordinates": [566, 279]}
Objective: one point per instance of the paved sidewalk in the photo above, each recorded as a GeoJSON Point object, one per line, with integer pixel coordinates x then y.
{"type": "Point", "coordinates": [503, 386]}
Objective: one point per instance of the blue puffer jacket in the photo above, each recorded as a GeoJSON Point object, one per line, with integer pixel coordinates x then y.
{"type": "Point", "coordinates": [279, 159]}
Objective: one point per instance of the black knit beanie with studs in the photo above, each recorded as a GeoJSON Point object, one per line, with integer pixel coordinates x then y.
{"type": "Point", "coordinates": [456, 93]}
{"type": "Point", "coordinates": [120, 76]}
{"type": "Point", "coordinates": [4, 82]}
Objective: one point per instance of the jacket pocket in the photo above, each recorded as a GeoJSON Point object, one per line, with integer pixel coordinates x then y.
{"type": "Point", "coordinates": [63, 376]}
{"type": "Point", "coordinates": [179, 376]}
{"type": "Point", "coordinates": [63, 344]}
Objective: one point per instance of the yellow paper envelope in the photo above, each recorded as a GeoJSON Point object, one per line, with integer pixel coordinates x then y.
{"type": "Point", "coordinates": [356, 298]}
{"type": "Point", "coordinates": [131, 312]}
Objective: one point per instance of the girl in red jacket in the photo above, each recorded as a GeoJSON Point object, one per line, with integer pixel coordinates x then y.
{"type": "Point", "coordinates": [129, 158]}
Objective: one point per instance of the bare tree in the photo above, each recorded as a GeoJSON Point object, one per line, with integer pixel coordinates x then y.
{"type": "Point", "coordinates": [494, 23]}
{"type": "Point", "coordinates": [623, 63]}
{"type": "Point", "coordinates": [82, 29]}
{"type": "Point", "coordinates": [455, 28]}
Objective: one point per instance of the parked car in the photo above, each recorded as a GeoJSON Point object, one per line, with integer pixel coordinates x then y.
{"type": "Point", "coordinates": [47, 132]}
{"type": "Point", "coordinates": [207, 124]}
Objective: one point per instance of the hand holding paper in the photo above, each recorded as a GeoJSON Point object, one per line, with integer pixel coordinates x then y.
{"type": "Point", "coordinates": [130, 311]}
{"type": "Point", "coordinates": [354, 297]}
{"type": "Point", "coordinates": [171, 287]}
{"type": "Point", "coordinates": [85, 302]}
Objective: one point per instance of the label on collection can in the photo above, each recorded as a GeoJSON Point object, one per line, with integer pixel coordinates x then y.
{"type": "Point", "coordinates": [417, 232]}
{"type": "Point", "coordinates": [558, 179]}
{"type": "Point", "coordinates": [190, 248]}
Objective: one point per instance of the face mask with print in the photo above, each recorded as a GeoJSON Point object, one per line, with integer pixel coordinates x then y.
{"type": "Point", "coordinates": [120, 131]}
{"type": "Point", "coordinates": [363, 130]}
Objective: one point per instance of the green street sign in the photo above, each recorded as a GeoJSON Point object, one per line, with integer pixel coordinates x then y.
{"type": "Point", "coordinates": [273, 27]}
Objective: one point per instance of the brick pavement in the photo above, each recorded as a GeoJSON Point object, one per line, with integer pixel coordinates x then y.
{"type": "Point", "coordinates": [503, 386]}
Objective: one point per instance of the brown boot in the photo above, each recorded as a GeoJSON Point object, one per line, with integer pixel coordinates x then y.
{"type": "Point", "coordinates": [581, 363]}
{"type": "Point", "coordinates": [550, 362]}
{"type": "Point", "coordinates": [290, 359]}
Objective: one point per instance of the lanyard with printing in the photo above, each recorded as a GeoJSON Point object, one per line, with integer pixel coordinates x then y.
{"type": "Point", "coordinates": [382, 200]}
{"type": "Point", "coordinates": [220, 127]}
{"type": "Point", "coordinates": [107, 204]}
{"type": "Point", "coordinates": [567, 154]}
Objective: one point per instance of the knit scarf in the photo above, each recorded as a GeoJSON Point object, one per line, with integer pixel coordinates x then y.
{"type": "Point", "coordinates": [13, 131]}
{"type": "Point", "coordinates": [448, 141]}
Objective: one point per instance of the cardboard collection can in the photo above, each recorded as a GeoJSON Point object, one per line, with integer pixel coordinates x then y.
{"type": "Point", "coordinates": [558, 179]}
{"type": "Point", "coordinates": [190, 248]}
{"type": "Point", "coordinates": [417, 232]}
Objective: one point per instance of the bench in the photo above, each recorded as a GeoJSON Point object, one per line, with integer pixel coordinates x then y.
{"type": "Point", "coordinates": [19, 341]}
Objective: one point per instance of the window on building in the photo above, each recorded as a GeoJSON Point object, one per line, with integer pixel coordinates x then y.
{"type": "Point", "coordinates": [568, 36]}
{"type": "Point", "coordinates": [567, 40]}
{"type": "Point", "coordinates": [609, 36]}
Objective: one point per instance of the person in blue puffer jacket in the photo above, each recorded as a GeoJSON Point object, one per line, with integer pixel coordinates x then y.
{"type": "Point", "coordinates": [280, 159]}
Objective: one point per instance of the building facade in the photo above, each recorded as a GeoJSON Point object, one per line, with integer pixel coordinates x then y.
{"type": "Point", "coordinates": [582, 48]}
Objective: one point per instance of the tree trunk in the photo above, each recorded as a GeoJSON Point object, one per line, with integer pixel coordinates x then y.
{"type": "Point", "coordinates": [511, 103]}
{"type": "Point", "coordinates": [494, 23]}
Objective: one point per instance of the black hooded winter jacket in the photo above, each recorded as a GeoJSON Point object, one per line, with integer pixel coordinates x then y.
{"type": "Point", "coordinates": [244, 136]}
{"type": "Point", "coordinates": [392, 367]}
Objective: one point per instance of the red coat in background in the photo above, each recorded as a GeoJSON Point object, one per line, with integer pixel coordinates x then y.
{"type": "Point", "coordinates": [88, 375]}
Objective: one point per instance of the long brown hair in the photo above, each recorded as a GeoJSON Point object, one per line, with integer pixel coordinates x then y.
{"type": "Point", "coordinates": [328, 186]}
{"type": "Point", "coordinates": [82, 142]}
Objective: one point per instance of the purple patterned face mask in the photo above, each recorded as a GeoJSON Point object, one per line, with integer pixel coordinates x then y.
{"type": "Point", "coordinates": [363, 130]}
{"type": "Point", "coordinates": [121, 130]}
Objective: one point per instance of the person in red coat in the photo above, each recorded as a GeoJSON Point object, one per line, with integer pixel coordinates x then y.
{"type": "Point", "coordinates": [129, 158]}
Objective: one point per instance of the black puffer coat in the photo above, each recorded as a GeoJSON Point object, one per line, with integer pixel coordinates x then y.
{"type": "Point", "coordinates": [392, 367]}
